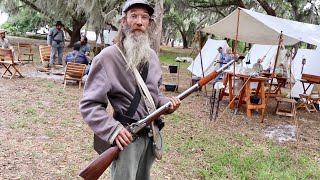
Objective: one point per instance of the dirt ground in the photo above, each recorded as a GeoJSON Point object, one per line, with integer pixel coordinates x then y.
{"type": "Point", "coordinates": [43, 135]}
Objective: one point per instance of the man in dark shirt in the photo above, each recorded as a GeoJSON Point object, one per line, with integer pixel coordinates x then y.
{"type": "Point", "coordinates": [77, 56]}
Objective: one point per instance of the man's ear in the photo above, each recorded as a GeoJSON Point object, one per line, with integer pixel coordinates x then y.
{"type": "Point", "coordinates": [123, 21]}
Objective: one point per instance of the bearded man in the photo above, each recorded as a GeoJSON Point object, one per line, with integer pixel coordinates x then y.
{"type": "Point", "coordinates": [4, 43]}
{"type": "Point", "coordinates": [111, 78]}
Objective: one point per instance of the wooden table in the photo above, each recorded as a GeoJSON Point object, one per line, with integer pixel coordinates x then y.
{"type": "Point", "coordinates": [281, 81]}
{"type": "Point", "coordinates": [244, 97]}
{"type": "Point", "coordinates": [305, 89]}
{"type": "Point", "coordinates": [308, 78]}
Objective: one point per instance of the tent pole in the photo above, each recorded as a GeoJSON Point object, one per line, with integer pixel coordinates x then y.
{"type": "Point", "coordinates": [200, 47]}
{"type": "Point", "coordinates": [272, 75]}
{"type": "Point", "coordinates": [235, 55]}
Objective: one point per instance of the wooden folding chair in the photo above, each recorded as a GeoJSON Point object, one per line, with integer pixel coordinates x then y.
{"type": "Point", "coordinates": [306, 102]}
{"type": "Point", "coordinates": [315, 98]}
{"type": "Point", "coordinates": [45, 52]}
{"type": "Point", "coordinates": [11, 66]}
{"type": "Point", "coordinates": [75, 72]}
{"type": "Point", "coordinates": [25, 52]}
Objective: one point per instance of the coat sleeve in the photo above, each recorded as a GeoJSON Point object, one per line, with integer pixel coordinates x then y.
{"type": "Point", "coordinates": [94, 103]}
{"type": "Point", "coordinates": [49, 37]}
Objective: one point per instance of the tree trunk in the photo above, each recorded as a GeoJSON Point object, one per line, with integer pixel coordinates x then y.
{"type": "Point", "coordinates": [168, 40]}
{"type": "Point", "coordinates": [184, 39]}
{"type": "Point", "coordinates": [155, 40]}
{"type": "Point", "coordinates": [75, 32]}
{"type": "Point", "coordinates": [172, 42]}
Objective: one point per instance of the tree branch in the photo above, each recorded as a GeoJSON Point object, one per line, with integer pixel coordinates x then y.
{"type": "Point", "coordinates": [267, 7]}
{"type": "Point", "coordinates": [34, 7]}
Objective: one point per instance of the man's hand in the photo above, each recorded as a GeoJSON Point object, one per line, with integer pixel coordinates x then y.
{"type": "Point", "coordinates": [175, 103]}
{"type": "Point", "coordinates": [123, 139]}
{"type": "Point", "coordinates": [49, 45]}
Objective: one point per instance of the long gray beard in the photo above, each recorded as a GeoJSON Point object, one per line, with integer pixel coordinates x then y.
{"type": "Point", "coordinates": [137, 47]}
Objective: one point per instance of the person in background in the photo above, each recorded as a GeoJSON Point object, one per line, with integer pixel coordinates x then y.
{"type": "Point", "coordinates": [258, 66]}
{"type": "Point", "coordinates": [280, 71]}
{"type": "Point", "coordinates": [4, 43]}
{"type": "Point", "coordinates": [228, 56]}
{"type": "Point", "coordinates": [281, 74]}
{"type": "Point", "coordinates": [111, 79]}
{"type": "Point", "coordinates": [55, 40]}
{"type": "Point", "coordinates": [85, 47]}
{"type": "Point", "coordinates": [222, 55]}
{"type": "Point", "coordinates": [76, 56]}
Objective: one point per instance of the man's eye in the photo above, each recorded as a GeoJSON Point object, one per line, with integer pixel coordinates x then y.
{"type": "Point", "coordinates": [145, 17]}
{"type": "Point", "coordinates": [134, 16]}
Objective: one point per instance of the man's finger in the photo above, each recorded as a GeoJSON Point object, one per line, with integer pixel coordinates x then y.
{"type": "Point", "coordinates": [119, 144]}
{"type": "Point", "coordinates": [125, 137]}
{"type": "Point", "coordinates": [123, 142]}
{"type": "Point", "coordinates": [128, 134]}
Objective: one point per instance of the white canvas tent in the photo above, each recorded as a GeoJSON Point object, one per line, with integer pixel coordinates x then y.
{"type": "Point", "coordinates": [260, 28]}
{"type": "Point", "coordinates": [209, 55]}
{"type": "Point", "coordinates": [297, 62]}
{"type": "Point", "coordinates": [311, 67]}
{"type": "Point", "coordinates": [258, 51]}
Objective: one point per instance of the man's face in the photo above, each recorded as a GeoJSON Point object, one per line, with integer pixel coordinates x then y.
{"type": "Point", "coordinates": [137, 20]}
{"type": "Point", "coordinates": [2, 35]}
{"type": "Point", "coordinates": [220, 50]}
{"type": "Point", "coordinates": [59, 27]}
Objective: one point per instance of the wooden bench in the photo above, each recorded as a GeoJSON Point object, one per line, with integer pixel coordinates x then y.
{"type": "Point", "coordinates": [74, 72]}
{"type": "Point", "coordinates": [45, 52]}
{"type": "Point", "coordinates": [25, 52]}
{"type": "Point", "coordinates": [8, 62]}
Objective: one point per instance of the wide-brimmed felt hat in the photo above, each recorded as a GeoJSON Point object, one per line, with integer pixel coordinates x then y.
{"type": "Point", "coordinates": [133, 3]}
{"type": "Point", "coordinates": [59, 23]}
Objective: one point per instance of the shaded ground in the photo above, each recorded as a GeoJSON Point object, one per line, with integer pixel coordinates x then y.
{"type": "Point", "coordinates": [43, 135]}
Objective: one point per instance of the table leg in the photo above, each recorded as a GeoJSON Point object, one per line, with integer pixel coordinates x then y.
{"type": "Point", "coordinates": [230, 91]}
{"type": "Point", "coordinates": [248, 102]}
{"type": "Point", "coordinates": [263, 100]}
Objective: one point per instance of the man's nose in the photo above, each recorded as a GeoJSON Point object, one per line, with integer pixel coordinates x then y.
{"type": "Point", "coordinates": [139, 21]}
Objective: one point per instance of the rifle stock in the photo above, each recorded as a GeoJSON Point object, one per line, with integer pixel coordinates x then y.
{"type": "Point", "coordinates": [95, 169]}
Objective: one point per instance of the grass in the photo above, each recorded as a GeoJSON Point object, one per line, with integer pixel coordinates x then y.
{"type": "Point", "coordinates": [168, 56]}
{"type": "Point", "coordinates": [237, 157]}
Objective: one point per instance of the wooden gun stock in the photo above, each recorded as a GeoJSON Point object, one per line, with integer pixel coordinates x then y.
{"type": "Point", "coordinates": [95, 169]}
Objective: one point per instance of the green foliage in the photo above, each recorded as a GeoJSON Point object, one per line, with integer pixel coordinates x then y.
{"type": "Point", "coordinates": [24, 21]}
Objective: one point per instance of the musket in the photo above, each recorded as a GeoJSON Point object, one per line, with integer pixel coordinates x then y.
{"type": "Point", "coordinates": [95, 169]}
